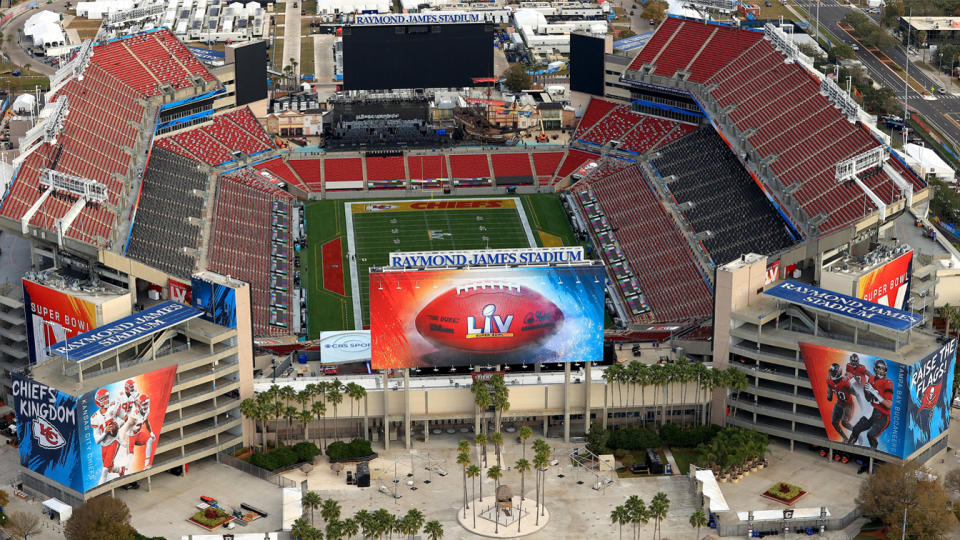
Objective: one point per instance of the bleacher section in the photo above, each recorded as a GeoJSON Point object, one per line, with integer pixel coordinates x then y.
{"type": "Point", "coordinates": [605, 121]}
{"type": "Point", "coordinates": [595, 111]}
{"type": "Point", "coordinates": [145, 62]}
{"type": "Point", "coordinates": [385, 168]}
{"type": "Point", "coordinates": [100, 124]}
{"type": "Point", "coordinates": [214, 142]}
{"type": "Point", "coordinates": [250, 240]}
{"type": "Point", "coordinates": [309, 171]}
{"type": "Point", "coordinates": [166, 232]}
{"type": "Point", "coordinates": [512, 168]}
{"type": "Point", "coordinates": [278, 168]}
{"type": "Point", "coordinates": [546, 164]}
{"type": "Point", "coordinates": [726, 200]}
{"type": "Point", "coordinates": [469, 166]}
{"type": "Point", "coordinates": [649, 258]}
{"type": "Point", "coordinates": [790, 124]}
{"type": "Point", "coordinates": [427, 167]}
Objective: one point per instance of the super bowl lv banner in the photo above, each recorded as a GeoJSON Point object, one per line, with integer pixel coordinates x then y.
{"type": "Point", "coordinates": [871, 401]}
{"type": "Point", "coordinates": [47, 429]}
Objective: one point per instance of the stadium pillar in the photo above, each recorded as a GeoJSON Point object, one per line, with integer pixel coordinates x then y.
{"type": "Point", "coordinates": [586, 398]}
{"type": "Point", "coordinates": [566, 402]}
{"type": "Point", "coordinates": [366, 418]}
{"type": "Point", "coordinates": [386, 410]}
{"type": "Point", "coordinates": [605, 394]}
{"type": "Point", "coordinates": [406, 408]}
{"type": "Point", "coordinates": [426, 431]}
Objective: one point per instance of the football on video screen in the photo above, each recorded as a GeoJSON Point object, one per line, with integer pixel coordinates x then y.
{"type": "Point", "coordinates": [486, 316]}
{"type": "Point", "coordinates": [874, 402]}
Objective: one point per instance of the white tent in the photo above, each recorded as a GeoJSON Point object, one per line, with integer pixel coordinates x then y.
{"type": "Point", "coordinates": [62, 509]}
{"type": "Point", "coordinates": [44, 29]}
{"type": "Point", "coordinates": [292, 509]}
{"type": "Point", "coordinates": [24, 103]}
{"type": "Point", "coordinates": [926, 161]}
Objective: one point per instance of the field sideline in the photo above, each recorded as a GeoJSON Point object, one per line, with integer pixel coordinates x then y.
{"type": "Point", "coordinates": [376, 237]}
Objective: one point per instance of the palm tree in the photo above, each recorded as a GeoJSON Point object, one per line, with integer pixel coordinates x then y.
{"type": "Point", "coordinates": [473, 472]}
{"type": "Point", "coordinates": [494, 473]}
{"type": "Point", "coordinates": [463, 460]}
{"type": "Point", "coordinates": [350, 527]}
{"type": "Point", "coordinates": [697, 520]}
{"type": "Point", "coordinates": [305, 418]}
{"type": "Point", "coordinates": [290, 414]}
{"type": "Point", "coordinates": [522, 466]}
{"type": "Point", "coordinates": [657, 378]}
{"type": "Point", "coordinates": [416, 520]}
{"type": "Point", "coordinates": [299, 528]}
{"type": "Point", "coordinates": [480, 441]}
{"type": "Point", "coordinates": [524, 434]}
{"type": "Point", "coordinates": [620, 516]}
{"type": "Point", "coordinates": [433, 530]}
{"type": "Point", "coordinates": [312, 500]}
{"type": "Point", "coordinates": [611, 376]}
{"type": "Point", "coordinates": [501, 397]}
{"type": "Point", "coordinates": [638, 512]}
{"type": "Point", "coordinates": [251, 409]}
{"type": "Point", "coordinates": [335, 398]}
{"type": "Point", "coordinates": [482, 399]}
{"type": "Point", "coordinates": [497, 439]}
{"type": "Point", "coordinates": [330, 510]}
{"type": "Point", "coordinates": [335, 530]}
{"type": "Point", "coordinates": [381, 522]}
{"type": "Point", "coordinates": [319, 410]}
{"type": "Point", "coordinates": [540, 464]}
{"type": "Point", "coordinates": [543, 451]}
{"type": "Point", "coordinates": [737, 381]}
{"type": "Point", "coordinates": [658, 510]}
{"type": "Point", "coordinates": [364, 520]}
{"type": "Point", "coordinates": [356, 393]}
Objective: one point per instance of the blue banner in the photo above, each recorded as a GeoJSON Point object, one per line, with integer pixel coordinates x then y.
{"type": "Point", "coordinates": [123, 331]}
{"type": "Point", "coordinates": [217, 302]}
{"type": "Point", "coordinates": [47, 429]}
{"type": "Point", "coordinates": [843, 305]}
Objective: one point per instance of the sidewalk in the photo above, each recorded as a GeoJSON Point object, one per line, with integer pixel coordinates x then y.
{"type": "Point", "coordinates": [670, 460]}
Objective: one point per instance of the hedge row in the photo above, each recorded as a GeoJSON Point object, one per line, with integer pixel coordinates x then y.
{"type": "Point", "coordinates": [285, 456]}
{"type": "Point", "coordinates": [339, 450]}
{"type": "Point", "coordinates": [639, 438]}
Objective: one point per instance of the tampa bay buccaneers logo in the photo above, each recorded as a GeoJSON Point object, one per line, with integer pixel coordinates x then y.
{"type": "Point", "coordinates": [931, 396]}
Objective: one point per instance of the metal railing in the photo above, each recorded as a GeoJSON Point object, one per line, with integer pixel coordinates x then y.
{"type": "Point", "coordinates": [227, 458]}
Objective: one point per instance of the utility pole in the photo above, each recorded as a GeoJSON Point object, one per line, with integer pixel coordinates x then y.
{"type": "Point", "coordinates": [903, 534]}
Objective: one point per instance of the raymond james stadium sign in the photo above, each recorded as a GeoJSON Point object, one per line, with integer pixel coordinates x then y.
{"type": "Point", "coordinates": [486, 257]}
{"type": "Point", "coordinates": [418, 18]}
{"type": "Point", "coordinates": [841, 304]}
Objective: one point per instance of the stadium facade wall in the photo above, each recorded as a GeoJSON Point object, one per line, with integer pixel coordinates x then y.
{"type": "Point", "coordinates": [763, 337]}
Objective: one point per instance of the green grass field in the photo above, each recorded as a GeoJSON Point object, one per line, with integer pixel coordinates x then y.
{"type": "Point", "coordinates": [379, 233]}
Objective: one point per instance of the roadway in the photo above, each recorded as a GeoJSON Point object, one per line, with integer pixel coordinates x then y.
{"type": "Point", "coordinates": [291, 37]}
{"type": "Point", "coordinates": [939, 110]}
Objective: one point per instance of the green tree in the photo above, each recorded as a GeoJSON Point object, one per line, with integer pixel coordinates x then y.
{"type": "Point", "coordinates": [335, 398]}
{"type": "Point", "coordinates": [312, 500]}
{"type": "Point", "coordinates": [501, 398]}
{"type": "Point", "coordinates": [473, 472]}
{"type": "Point", "coordinates": [416, 520]}
{"type": "Point", "coordinates": [463, 460]}
{"type": "Point", "coordinates": [921, 37]}
{"type": "Point", "coordinates": [433, 530]}
{"type": "Point", "coordinates": [659, 507]}
{"type": "Point", "coordinates": [638, 512]}
{"type": "Point", "coordinates": [497, 440]}
{"type": "Point", "coordinates": [881, 100]}
{"type": "Point", "coordinates": [516, 78]}
{"type": "Point", "coordinates": [356, 393]}
{"type": "Point", "coordinates": [522, 466]}
{"type": "Point", "coordinates": [494, 473]}
{"type": "Point", "coordinates": [319, 410]}
{"type": "Point", "coordinates": [620, 516]}
{"type": "Point", "coordinates": [299, 528]}
{"type": "Point", "coordinates": [949, 314]}
{"type": "Point", "coordinates": [480, 441]}
{"type": "Point", "coordinates": [698, 520]}
{"type": "Point", "coordinates": [842, 50]}
{"type": "Point", "coordinates": [951, 482]}
{"type": "Point", "coordinates": [597, 439]}
{"type": "Point", "coordinates": [254, 410]}
{"type": "Point", "coordinates": [4, 499]}
{"type": "Point", "coordinates": [655, 10]}
{"type": "Point", "coordinates": [96, 516]}
{"type": "Point", "coordinates": [330, 510]}
{"type": "Point", "coordinates": [524, 433]}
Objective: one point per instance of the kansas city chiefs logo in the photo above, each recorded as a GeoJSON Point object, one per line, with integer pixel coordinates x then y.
{"type": "Point", "coordinates": [491, 324]}
{"type": "Point", "coordinates": [379, 207]}
{"type": "Point", "coordinates": [47, 435]}
{"type": "Point", "coordinates": [931, 396]}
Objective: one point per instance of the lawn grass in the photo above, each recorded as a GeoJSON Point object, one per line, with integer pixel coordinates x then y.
{"type": "Point", "coordinates": [624, 472]}
{"type": "Point", "coordinates": [306, 55]}
{"type": "Point", "coordinates": [684, 457]}
{"type": "Point", "coordinates": [375, 237]}
{"type": "Point", "coordinates": [789, 496]}
{"type": "Point", "coordinates": [86, 28]}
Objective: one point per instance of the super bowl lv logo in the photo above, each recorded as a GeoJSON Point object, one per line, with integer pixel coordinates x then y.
{"type": "Point", "coordinates": [494, 324]}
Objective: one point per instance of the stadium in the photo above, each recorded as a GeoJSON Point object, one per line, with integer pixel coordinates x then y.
{"type": "Point", "coordinates": [711, 145]}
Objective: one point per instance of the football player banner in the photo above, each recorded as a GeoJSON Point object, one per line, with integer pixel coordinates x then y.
{"type": "Point", "coordinates": [872, 401]}
{"type": "Point", "coordinates": [107, 433]}
{"type": "Point", "coordinates": [486, 316]}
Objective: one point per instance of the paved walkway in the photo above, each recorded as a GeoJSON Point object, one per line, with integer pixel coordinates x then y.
{"type": "Point", "coordinates": [671, 460]}
{"type": "Point", "coordinates": [291, 36]}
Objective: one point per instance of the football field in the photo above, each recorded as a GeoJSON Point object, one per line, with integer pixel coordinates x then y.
{"type": "Point", "coordinates": [364, 233]}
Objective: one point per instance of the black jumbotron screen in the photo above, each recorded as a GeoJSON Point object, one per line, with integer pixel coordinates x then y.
{"type": "Point", "coordinates": [416, 56]}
